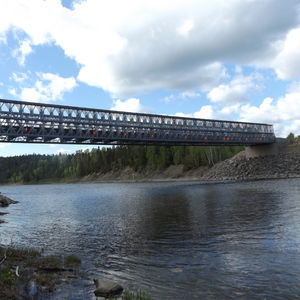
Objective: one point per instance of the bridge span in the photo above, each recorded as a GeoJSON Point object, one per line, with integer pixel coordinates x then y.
{"type": "Point", "coordinates": [30, 122]}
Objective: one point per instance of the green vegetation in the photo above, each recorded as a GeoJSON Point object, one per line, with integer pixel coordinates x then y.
{"type": "Point", "coordinates": [72, 260]}
{"type": "Point", "coordinates": [47, 168]}
{"type": "Point", "coordinates": [291, 136]}
{"type": "Point", "coordinates": [127, 295]}
{"type": "Point", "coordinates": [19, 267]}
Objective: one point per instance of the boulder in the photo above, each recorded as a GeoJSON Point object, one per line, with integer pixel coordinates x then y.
{"type": "Point", "coordinates": [5, 201]}
{"type": "Point", "coordinates": [106, 288]}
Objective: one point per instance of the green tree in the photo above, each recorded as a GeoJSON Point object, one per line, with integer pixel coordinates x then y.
{"type": "Point", "coordinates": [291, 137]}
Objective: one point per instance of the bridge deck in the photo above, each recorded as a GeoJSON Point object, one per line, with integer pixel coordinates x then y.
{"type": "Point", "coordinates": [29, 122]}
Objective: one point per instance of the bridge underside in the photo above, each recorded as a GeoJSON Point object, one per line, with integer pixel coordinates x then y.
{"type": "Point", "coordinates": [202, 140]}
{"type": "Point", "coordinates": [24, 122]}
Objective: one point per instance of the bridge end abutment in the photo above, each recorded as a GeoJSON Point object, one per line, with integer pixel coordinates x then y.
{"type": "Point", "coordinates": [267, 149]}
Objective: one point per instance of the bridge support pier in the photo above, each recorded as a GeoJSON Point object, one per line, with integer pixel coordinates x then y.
{"type": "Point", "coordinates": [267, 149]}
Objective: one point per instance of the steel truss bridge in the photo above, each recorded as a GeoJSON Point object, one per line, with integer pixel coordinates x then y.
{"type": "Point", "coordinates": [29, 122]}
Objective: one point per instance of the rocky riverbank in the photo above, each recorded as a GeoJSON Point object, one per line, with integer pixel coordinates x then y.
{"type": "Point", "coordinates": [283, 165]}
{"type": "Point", "coordinates": [26, 274]}
{"type": "Point", "coordinates": [172, 173]}
{"type": "Point", "coordinates": [4, 202]}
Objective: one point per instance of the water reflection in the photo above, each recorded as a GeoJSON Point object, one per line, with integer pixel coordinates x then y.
{"type": "Point", "coordinates": [177, 241]}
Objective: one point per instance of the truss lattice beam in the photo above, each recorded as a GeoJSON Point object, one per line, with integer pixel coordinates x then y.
{"type": "Point", "coordinates": [29, 122]}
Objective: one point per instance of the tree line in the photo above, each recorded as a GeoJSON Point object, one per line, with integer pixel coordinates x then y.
{"type": "Point", "coordinates": [37, 168]}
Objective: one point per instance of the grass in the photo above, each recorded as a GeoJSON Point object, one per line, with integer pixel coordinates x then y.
{"type": "Point", "coordinates": [72, 260]}
{"type": "Point", "coordinates": [46, 271]}
{"type": "Point", "coordinates": [128, 295]}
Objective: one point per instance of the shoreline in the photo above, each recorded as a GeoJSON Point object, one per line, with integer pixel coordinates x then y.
{"type": "Point", "coordinates": [162, 180]}
{"type": "Point", "coordinates": [237, 168]}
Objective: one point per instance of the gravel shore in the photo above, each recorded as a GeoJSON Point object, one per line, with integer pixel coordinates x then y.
{"type": "Point", "coordinates": [284, 165]}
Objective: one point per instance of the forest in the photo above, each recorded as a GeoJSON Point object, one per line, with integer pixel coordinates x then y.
{"type": "Point", "coordinates": [40, 168]}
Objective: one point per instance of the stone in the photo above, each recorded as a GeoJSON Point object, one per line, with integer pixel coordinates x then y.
{"type": "Point", "coordinates": [5, 201]}
{"type": "Point", "coordinates": [176, 270]}
{"type": "Point", "coordinates": [106, 288]}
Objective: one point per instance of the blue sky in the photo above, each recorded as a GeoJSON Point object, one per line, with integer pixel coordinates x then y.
{"type": "Point", "coordinates": [235, 59]}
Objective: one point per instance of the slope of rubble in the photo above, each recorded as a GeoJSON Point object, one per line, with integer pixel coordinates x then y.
{"type": "Point", "coordinates": [283, 165]}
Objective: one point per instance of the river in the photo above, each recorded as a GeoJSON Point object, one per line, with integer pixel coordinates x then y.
{"type": "Point", "coordinates": [172, 240]}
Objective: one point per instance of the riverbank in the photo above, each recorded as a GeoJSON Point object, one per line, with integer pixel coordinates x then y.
{"type": "Point", "coordinates": [27, 274]}
{"type": "Point", "coordinates": [283, 165]}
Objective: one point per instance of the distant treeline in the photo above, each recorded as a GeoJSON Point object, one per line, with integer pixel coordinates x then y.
{"type": "Point", "coordinates": [37, 168]}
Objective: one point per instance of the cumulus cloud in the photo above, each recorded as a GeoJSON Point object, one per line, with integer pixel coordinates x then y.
{"type": "Point", "coordinates": [151, 44]}
{"type": "Point", "coordinates": [132, 105]}
{"type": "Point", "coordinates": [213, 112]}
{"type": "Point", "coordinates": [22, 52]}
{"type": "Point", "coordinates": [19, 77]}
{"type": "Point", "coordinates": [205, 112]}
{"type": "Point", "coordinates": [286, 108]}
{"type": "Point", "coordinates": [63, 151]}
{"type": "Point", "coordinates": [47, 88]}
{"type": "Point", "coordinates": [185, 28]}
{"type": "Point", "coordinates": [283, 112]}
{"type": "Point", "coordinates": [237, 90]}
{"type": "Point", "coordinates": [268, 112]}
{"type": "Point", "coordinates": [287, 63]}
{"type": "Point", "coordinates": [4, 145]}
{"type": "Point", "coordinates": [181, 96]}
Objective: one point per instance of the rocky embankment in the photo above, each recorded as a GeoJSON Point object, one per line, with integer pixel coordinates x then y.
{"type": "Point", "coordinates": [4, 202]}
{"type": "Point", "coordinates": [284, 165]}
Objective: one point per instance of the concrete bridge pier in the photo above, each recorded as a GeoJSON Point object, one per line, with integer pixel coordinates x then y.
{"type": "Point", "coordinates": [267, 149]}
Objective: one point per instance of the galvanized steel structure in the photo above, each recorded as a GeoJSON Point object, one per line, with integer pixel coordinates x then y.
{"type": "Point", "coordinates": [29, 122]}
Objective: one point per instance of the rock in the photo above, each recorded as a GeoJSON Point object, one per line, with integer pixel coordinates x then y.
{"type": "Point", "coordinates": [106, 288]}
{"type": "Point", "coordinates": [176, 270]}
{"type": "Point", "coordinates": [5, 201]}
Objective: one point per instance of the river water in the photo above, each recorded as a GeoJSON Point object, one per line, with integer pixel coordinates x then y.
{"type": "Point", "coordinates": [172, 240]}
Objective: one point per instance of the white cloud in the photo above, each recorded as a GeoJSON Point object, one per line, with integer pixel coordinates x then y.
{"type": "Point", "coordinates": [189, 94]}
{"type": "Point", "coordinates": [47, 88]}
{"type": "Point", "coordinates": [22, 52]}
{"type": "Point", "coordinates": [4, 145]}
{"type": "Point", "coordinates": [63, 151]}
{"type": "Point", "coordinates": [132, 105]}
{"type": "Point", "coordinates": [213, 112]}
{"type": "Point", "coordinates": [237, 90]}
{"type": "Point", "coordinates": [181, 96]}
{"type": "Point", "coordinates": [185, 28]}
{"type": "Point", "coordinates": [150, 44]}
{"type": "Point", "coordinates": [283, 113]}
{"type": "Point", "coordinates": [19, 77]}
{"type": "Point", "coordinates": [287, 63]}
{"type": "Point", "coordinates": [284, 109]}
{"type": "Point", "coordinates": [205, 112]}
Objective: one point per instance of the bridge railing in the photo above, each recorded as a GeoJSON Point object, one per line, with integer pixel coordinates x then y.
{"type": "Point", "coordinates": [36, 122]}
